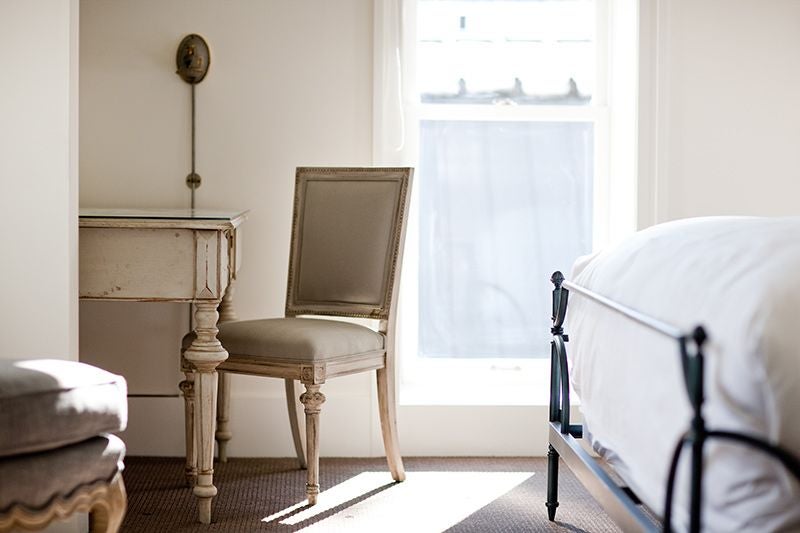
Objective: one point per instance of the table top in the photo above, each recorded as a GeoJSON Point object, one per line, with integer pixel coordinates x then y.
{"type": "Point", "coordinates": [173, 213]}
{"type": "Point", "coordinates": [161, 217]}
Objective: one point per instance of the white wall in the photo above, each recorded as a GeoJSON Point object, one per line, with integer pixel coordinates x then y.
{"type": "Point", "coordinates": [39, 183]}
{"type": "Point", "coordinates": [38, 178]}
{"type": "Point", "coordinates": [723, 87]}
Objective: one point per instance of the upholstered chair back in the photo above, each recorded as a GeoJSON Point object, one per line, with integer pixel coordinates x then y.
{"type": "Point", "coordinates": [347, 239]}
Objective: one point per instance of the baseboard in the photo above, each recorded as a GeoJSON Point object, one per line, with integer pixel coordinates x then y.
{"type": "Point", "coordinates": [349, 428]}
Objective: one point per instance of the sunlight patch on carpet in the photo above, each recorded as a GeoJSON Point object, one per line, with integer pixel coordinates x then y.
{"type": "Point", "coordinates": [425, 501]}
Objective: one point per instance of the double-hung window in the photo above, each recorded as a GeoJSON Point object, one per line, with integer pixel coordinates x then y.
{"type": "Point", "coordinates": [506, 119]}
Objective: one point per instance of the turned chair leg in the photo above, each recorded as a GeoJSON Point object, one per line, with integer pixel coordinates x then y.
{"type": "Point", "coordinates": [291, 405]}
{"type": "Point", "coordinates": [312, 400]}
{"type": "Point", "coordinates": [106, 516]}
{"type": "Point", "coordinates": [187, 387]}
{"type": "Point", "coordinates": [387, 406]}
{"type": "Point", "coordinates": [223, 433]}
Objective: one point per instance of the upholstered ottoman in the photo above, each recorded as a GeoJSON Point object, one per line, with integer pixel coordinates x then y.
{"type": "Point", "coordinates": [57, 455]}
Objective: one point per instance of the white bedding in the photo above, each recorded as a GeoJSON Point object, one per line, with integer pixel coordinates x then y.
{"type": "Point", "coordinates": [740, 278]}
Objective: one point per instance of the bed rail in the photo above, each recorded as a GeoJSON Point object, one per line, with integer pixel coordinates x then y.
{"type": "Point", "coordinates": [623, 506]}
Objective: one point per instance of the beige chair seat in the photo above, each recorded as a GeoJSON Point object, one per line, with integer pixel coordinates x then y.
{"type": "Point", "coordinates": [296, 339]}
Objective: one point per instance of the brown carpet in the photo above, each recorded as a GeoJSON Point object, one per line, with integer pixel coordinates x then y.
{"type": "Point", "coordinates": [440, 494]}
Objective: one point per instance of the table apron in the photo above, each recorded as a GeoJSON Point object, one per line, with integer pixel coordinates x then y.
{"type": "Point", "coordinates": [154, 264]}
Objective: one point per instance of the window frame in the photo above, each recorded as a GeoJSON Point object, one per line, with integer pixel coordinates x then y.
{"type": "Point", "coordinates": [491, 381]}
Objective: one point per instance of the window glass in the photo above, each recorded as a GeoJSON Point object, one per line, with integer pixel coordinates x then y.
{"type": "Point", "coordinates": [502, 205]}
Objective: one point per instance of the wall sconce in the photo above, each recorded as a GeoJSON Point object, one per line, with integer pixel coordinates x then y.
{"type": "Point", "coordinates": [192, 60]}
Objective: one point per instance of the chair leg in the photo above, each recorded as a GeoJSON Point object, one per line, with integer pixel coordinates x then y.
{"type": "Point", "coordinates": [187, 387]}
{"type": "Point", "coordinates": [106, 516]}
{"type": "Point", "coordinates": [312, 400]}
{"type": "Point", "coordinates": [291, 405]}
{"type": "Point", "coordinates": [387, 406]}
{"type": "Point", "coordinates": [223, 433]}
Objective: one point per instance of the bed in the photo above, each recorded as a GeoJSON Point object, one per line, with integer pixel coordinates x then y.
{"type": "Point", "coordinates": [686, 337]}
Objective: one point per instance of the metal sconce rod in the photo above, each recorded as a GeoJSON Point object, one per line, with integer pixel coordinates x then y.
{"type": "Point", "coordinates": [193, 179]}
{"type": "Point", "coordinates": [192, 60]}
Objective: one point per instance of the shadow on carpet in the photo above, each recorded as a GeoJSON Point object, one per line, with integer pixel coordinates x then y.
{"type": "Point", "coordinates": [440, 494]}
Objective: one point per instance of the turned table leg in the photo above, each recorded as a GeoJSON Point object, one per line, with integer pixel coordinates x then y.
{"type": "Point", "coordinates": [205, 354]}
{"type": "Point", "coordinates": [223, 433]}
{"type": "Point", "coordinates": [187, 388]}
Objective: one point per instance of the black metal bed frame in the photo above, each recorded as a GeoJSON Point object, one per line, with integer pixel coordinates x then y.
{"type": "Point", "coordinates": [619, 501]}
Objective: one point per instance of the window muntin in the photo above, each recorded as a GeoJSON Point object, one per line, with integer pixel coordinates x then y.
{"type": "Point", "coordinates": [527, 52]}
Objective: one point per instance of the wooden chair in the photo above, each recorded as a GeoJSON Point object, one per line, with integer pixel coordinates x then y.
{"type": "Point", "coordinates": [346, 251]}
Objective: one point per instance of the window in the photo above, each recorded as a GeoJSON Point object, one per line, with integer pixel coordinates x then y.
{"type": "Point", "coordinates": [502, 204]}
{"type": "Point", "coordinates": [506, 118]}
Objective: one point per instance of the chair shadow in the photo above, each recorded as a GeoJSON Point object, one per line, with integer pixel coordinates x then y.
{"type": "Point", "coordinates": [276, 522]}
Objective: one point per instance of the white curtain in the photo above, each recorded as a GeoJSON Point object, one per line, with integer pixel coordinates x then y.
{"type": "Point", "coordinates": [502, 205]}
{"type": "Point", "coordinates": [389, 131]}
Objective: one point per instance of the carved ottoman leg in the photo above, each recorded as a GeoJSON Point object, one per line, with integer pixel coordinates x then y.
{"type": "Point", "coordinates": [312, 400]}
{"type": "Point", "coordinates": [187, 387]}
{"type": "Point", "coordinates": [106, 516]}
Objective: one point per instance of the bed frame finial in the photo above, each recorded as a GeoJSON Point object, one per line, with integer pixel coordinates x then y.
{"type": "Point", "coordinates": [699, 335]}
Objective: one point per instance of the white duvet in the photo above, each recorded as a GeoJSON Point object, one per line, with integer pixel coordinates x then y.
{"type": "Point", "coordinates": [740, 278]}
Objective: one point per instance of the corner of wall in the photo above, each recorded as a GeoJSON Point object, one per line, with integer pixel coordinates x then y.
{"type": "Point", "coordinates": [652, 113]}
{"type": "Point", "coordinates": [74, 132]}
